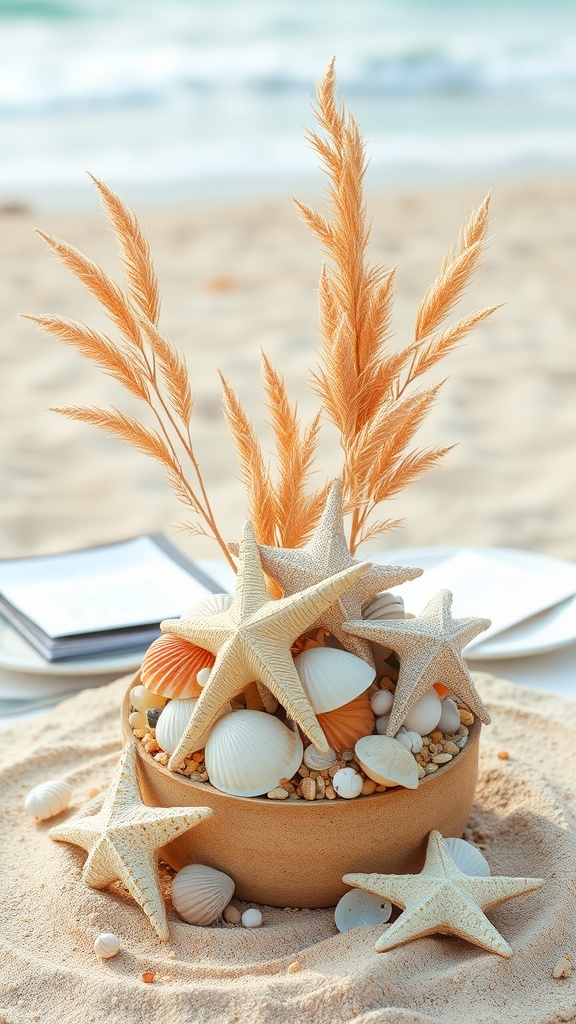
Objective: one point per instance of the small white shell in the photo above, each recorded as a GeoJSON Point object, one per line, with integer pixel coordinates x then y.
{"type": "Point", "coordinates": [173, 722]}
{"type": "Point", "coordinates": [468, 858]}
{"type": "Point", "coordinates": [411, 740]}
{"type": "Point", "coordinates": [200, 893]}
{"type": "Point", "coordinates": [357, 908]}
{"type": "Point", "coordinates": [248, 752]}
{"type": "Point", "coordinates": [211, 605]}
{"type": "Point", "coordinates": [384, 606]}
{"type": "Point", "coordinates": [48, 799]}
{"type": "Point", "coordinates": [252, 918]}
{"type": "Point", "coordinates": [347, 783]}
{"type": "Point", "coordinates": [142, 699]}
{"type": "Point", "coordinates": [425, 715]}
{"type": "Point", "coordinates": [381, 702]}
{"type": "Point", "coordinates": [450, 718]}
{"type": "Point", "coordinates": [203, 676]}
{"type": "Point", "coordinates": [332, 678]}
{"type": "Point", "coordinates": [387, 762]}
{"type": "Point", "coordinates": [316, 761]}
{"type": "Point", "coordinates": [382, 724]}
{"type": "Point", "coordinates": [106, 945]}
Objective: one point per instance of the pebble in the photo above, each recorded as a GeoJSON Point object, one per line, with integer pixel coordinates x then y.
{"type": "Point", "coordinates": [152, 716]}
{"type": "Point", "coordinates": [231, 914]}
{"type": "Point", "coordinates": [430, 768]}
{"type": "Point", "coordinates": [503, 755]}
{"type": "Point", "coordinates": [277, 794]}
{"type": "Point", "coordinates": [421, 772]}
{"type": "Point", "coordinates": [563, 968]}
{"type": "Point", "coordinates": [368, 787]}
{"type": "Point", "coordinates": [441, 758]}
{"type": "Point", "coordinates": [148, 977]}
{"type": "Point", "coordinates": [466, 717]}
{"type": "Point", "coordinates": [451, 748]}
{"type": "Point", "coordinates": [320, 788]}
{"type": "Point", "coordinates": [309, 789]}
{"type": "Point", "coordinates": [436, 736]}
{"type": "Point", "coordinates": [252, 918]}
{"type": "Point", "coordinates": [461, 742]}
{"type": "Point", "coordinates": [348, 755]}
{"type": "Point", "coordinates": [381, 702]}
{"type": "Point", "coordinates": [463, 731]}
{"type": "Point", "coordinates": [330, 793]}
{"type": "Point", "coordinates": [293, 967]}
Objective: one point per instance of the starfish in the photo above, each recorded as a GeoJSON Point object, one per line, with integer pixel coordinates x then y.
{"type": "Point", "coordinates": [123, 838]}
{"type": "Point", "coordinates": [443, 899]}
{"type": "Point", "coordinates": [326, 553]}
{"type": "Point", "coordinates": [252, 641]}
{"type": "Point", "coordinates": [430, 651]}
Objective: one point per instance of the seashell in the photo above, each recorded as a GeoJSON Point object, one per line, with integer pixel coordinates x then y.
{"type": "Point", "coordinates": [348, 783]}
{"type": "Point", "coordinates": [138, 720]}
{"type": "Point", "coordinates": [384, 606]}
{"type": "Point", "coordinates": [468, 858]}
{"type": "Point", "coordinates": [381, 702]}
{"type": "Point", "coordinates": [403, 738]}
{"type": "Point", "coordinates": [106, 945]}
{"type": "Point", "coordinates": [357, 909]}
{"type": "Point", "coordinates": [248, 752]}
{"type": "Point", "coordinates": [200, 893]}
{"type": "Point", "coordinates": [382, 724]}
{"type": "Point", "coordinates": [387, 762]}
{"type": "Point", "coordinates": [142, 698]}
{"type": "Point", "coordinates": [171, 664]}
{"type": "Point", "coordinates": [252, 918]}
{"type": "Point", "coordinates": [425, 715]}
{"type": "Point", "coordinates": [316, 761]}
{"type": "Point", "coordinates": [415, 740]}
{"type": "Point", "coordinates": [332, 678]}
{"type": "Point", "coordinates": [48, 799]}
{"type": "Point", "coordinates": [202, 677]}
{"type": "Point", "coordinates": [449, 721]}
{"type": "Point", "coordinates": [343, 726]}
{"type": "Point", "coordinates": [214, 604]}
{"type": "Point", "coordinates": [173, 722]}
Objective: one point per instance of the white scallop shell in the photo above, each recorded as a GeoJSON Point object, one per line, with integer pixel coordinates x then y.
{"type": "Point", "coordinates": [332, 678]}
{"type": "Point", "coordinates": [384, 606]}
{"type": "Point", "coordinates": [386, 761]}
{"type": "Point", "coordinates": [248, 752]}
{"type": "Point", "coordinates": [468, 858]}
{"type": "Point", "coordinates": [106, 945]}
{"type": "Point", "coordinates": [381, 702]}
{"type": "Point", "coordinates": [173, 722]}
{"type": "Point", "coordinates": [425, 715]}
{"type": "Point", "coordinates": [357, 908]}
{"type": "Point", "coordinates": [450, 717]}
{"type": "Point", "coordinates": [201, 893]}
{"type": "Point", "coordinates": [347, 783]}
{"type": "Point", "coordinates": [206, 606]}
{"type": "Point", "coordinates": [48, 799]}
{"type": "Point", "coordinates": [316, 761]}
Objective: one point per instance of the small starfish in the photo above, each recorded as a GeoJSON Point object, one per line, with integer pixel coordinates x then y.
{"type": "Point", "coordinates": [443, 899]}
{"type": "Point", "coordinates": [430, 651]}
{"type": "Point", "coordinates": [252, 641]}
{"type": "Point", "coordinates": [124, 837]}
{"type": "Point", "coordinates": [326, 553]}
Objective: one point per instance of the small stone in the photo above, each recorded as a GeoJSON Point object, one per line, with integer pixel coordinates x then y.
{"type": "Point", "coordinates": [441, 758]}
{"type": "Point", "coordinates": [162, 758]}
{"type": "Point", "coordinates": [503, 755]}
{"type": "Point", "coordinates": [330, 793]}
{"type": "Point", "coordinates": [436, 736]}
{"type": "Point", "coordinates": [348, 755]}
{"type": "Point", "coordinates": [463, 731]}
{"type": "Point", "coordinates": [309, 789]}
{"type": "Point", "coordinates": [303, 771]}
{"type": "Point", "coordinates": [293, 967]}
{"type": "Point", "coordinates": [320, 788]}
{"type": "Point", "coordinates": [466, 717]}
{"type": "Point", "coordinates": [381, 788]}
{"type": "Point", "coordinates": [252, 918]}
{"type": "Point", "coordinates": [368, 787]}
{"type": "Point", "coordinates": [563, 968]}
{"type": "Point", "coordinates": [148, 977]}
{"type": "Point", "coordinates": [421, 772]}
{"type": "Point", "coordinates": [451, 748]}
{"type": "Point", "coordinates": [172, 955]}
{"type": "Point", "coordinates": [430, 768]}
{"type": "Point", "coordinates": [461, 742]}
{"type": "Point", "coordinates": [332, 771]}
{"type": "Point", "coordinates": [231, 914]}
{"type": "Point", "coordinates": [277, 794]}
{"type": "Point", "coordinates": [152, 716]}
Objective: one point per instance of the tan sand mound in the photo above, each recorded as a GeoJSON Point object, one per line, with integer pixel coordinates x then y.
{"type": "Point", "coordinates": [523, 820]}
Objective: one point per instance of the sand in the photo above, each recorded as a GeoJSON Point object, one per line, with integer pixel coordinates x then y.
{"type": "Point", "coordinates": [523, 820]}
{"type": "Point", "coordinates": [237, 278]}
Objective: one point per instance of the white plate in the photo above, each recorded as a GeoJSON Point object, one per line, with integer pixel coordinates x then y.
{"type": "Point", "coordinates": [17, 655]}
{"type": "Point", "coordinates": [545, 632]}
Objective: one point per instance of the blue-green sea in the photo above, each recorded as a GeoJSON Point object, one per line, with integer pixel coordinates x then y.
{"type": "Point", "coordinates": [174, 97]}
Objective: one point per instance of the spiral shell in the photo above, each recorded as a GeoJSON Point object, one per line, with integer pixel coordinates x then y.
{"type": "Point", "coordinates": [107, 945]}
{"type": "Point", "coordinates": [48, 799]}
{"type": "Point", "coordinates": [248, 752]}
{"type": "Point", "coordinates": [201, 893]}
{"type": "Point", "coordinates": [344, 726]}
{"type": "Point", "coordinates": [171, 664]}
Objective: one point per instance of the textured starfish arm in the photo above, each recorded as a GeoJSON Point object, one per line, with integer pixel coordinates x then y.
{"type": "Point", "coordinates": [76, 833]}
{"type": "Point", "coordinates": [209, 635]}
{"type": "Point", "coordinates": [102, 866]}
{"type": "Point", "coordinates": [414, 923]}
{"type": "Point", "coordinates": [489, 892]}
{"type": "Point", "coordinates": [138, 870]}
{"type": "Point", "coordinates": [468, 922]}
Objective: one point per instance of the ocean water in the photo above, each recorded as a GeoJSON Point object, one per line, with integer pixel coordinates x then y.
{"type": "Point", "coordinates": [186, 97]}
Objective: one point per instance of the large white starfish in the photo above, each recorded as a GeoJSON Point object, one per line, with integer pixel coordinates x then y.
{"type": "Point", "coordinates": [326, 553]}
{"type": "Point", "coordinates": [124, 837]}
{"type": "Point", "coordinates": [252, 640]}
{"type": "Point", "coordinates": [443, 899]}
{"type": "Point", "coordinates": [430, 651]}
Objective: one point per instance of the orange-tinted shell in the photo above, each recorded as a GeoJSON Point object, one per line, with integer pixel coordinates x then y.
{"type": "Point", "coordinates": [170, 666]}
{"type": "Point", "coordinates": [344, 726]}
{"type": "Point", "coordinates": [441, 690]}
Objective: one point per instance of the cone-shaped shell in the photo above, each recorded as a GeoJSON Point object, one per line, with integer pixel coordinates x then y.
{"type": "Point", "coordinates": [248, 752]}
{"type": "Point", "coordinates": [48, 799]}
{"type": "Point", "coordinates": [200, 894]}
{"type": "Point", "coordinates": [332, 678]}
{"type": "Point", "coordinates": [386, 761]}
{"type": "Point", "coordinates": [344, 726]}
{"type": "Point", "coordinates": [468, 858]}
{"type": "Point", "coordinates": [173, 722]}
{"type": "Point", "coordinates": [171, 664]}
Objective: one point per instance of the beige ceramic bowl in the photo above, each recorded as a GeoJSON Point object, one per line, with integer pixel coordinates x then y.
{"type": "Point", "coordinates": [294, 853]}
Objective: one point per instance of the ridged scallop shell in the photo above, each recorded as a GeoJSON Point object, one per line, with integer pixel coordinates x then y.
{"type": "Point", "coordinates": [344, 726]}
{"type": "Point", "coordinates": [387, 762]}
{"type": "Point", "coordinates": [468, 858]}
{"type": "Point", "coordinates": [384, 606]}
{"type": "Point", "coordinates": [170, 666]}
{"type": "Point", "coordinates": [248, 752]}
{"type": "Point", "coordinates": [173, 723]}
{"type": "Point", "coordinates": [332, 678]}
{"type": "Point", "coordinates": [106, 945]}
{"type": "Point", "coordinates": [48, 799]}
{"type": "Point", "coordinates": [211, 605]}
{"type": "Point", "coordinates": [357, 909]}
{"type": "Point", "coordinates": [200, 893]}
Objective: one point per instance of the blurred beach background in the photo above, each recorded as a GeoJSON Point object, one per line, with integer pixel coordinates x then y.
{"type": "Point", "coordinates": [195, 112]}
